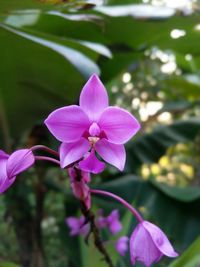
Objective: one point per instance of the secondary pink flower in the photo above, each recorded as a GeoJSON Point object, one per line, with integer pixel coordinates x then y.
{"type": "Point", "coordinates": [148, 244]}
{"type": "Point", "coordinates": [11, 166]}
{"type": "Point", "coordinates": [92, 127]}
{"type": "Point", "coordinates": [122, 245]}
{"type": "Point", "coordinates": [113, 222]}
{"type": "Point", "coordinates": [77, 226]}
{"type": "Point", "coordinates": [101, 221]}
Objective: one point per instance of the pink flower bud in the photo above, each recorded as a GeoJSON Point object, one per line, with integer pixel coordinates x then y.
{"type": "Point", "coordinates": [148, 244]}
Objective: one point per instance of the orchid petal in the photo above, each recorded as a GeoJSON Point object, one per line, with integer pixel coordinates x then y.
{"type": "Point", "coordinates": [68, 124]}
{"type": "Point", "coordinates": [160, 239]}
{"type": "Point", "coordinates": [114, 224]}
{"type": "Point", "coordinates": [101, 222]}
{"type": "Point", "coordinates": [92, 164]}
{"type": "Point", "coordinates": [122, 245]}
{"type": "Point", "coordinates": [142, 247]}
{"type": "Point", "coordinates": [118, 124]}
{"type": "Point", "coordinates": [84, 227]}
{"type": "Point", "coordinates": [3, 155]}
{"type": "Point", "coordinates": [93, 98]}
{"type": "Point", "coordinates": [5, 183]}
{"type": "Point", "coordinates": [19, 161]}
{"type": "Point", "coordinates": [77, 226]}
{"type": "Point", "coordinates": [71, 152]}
{"type": "Point", "coordinates": [74, 224]}
{"type": "Point", "coordinates": [3, 173]}
{"type": "Point", "coordinates": [111, 153]}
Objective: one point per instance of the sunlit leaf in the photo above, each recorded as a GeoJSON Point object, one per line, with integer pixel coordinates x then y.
{"type": "Point", "coordinates": [25, 18]}
{"type": "Point", "coordinates": [85, 65]}
{"type": "Point", "coordinates": [137, 11]}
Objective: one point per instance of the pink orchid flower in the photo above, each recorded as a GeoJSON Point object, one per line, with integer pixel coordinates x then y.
{"type": "Point", "coordinates": [121, 245]}
{"type": "Point", "coordinates": [93, 127]}
{"type": "Point", "coordinates": [77, 226]}
{"type": "Point", "coordinates": [11, 166]}
{"type": "Point", "coordinates": [113, 222]}
{"type": "Point", "coordinates": [148, 244]}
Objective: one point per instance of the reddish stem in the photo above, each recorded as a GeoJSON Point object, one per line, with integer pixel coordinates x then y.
{"type": "Point", "coordinates": [119, 199]}
{"type": "Point", "coordinates": [45, 148]}
{"type": "Point", "coordinates": [47, 159]}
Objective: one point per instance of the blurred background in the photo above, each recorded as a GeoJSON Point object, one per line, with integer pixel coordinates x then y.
{"type": "Point", "coordinates": [147, 53]}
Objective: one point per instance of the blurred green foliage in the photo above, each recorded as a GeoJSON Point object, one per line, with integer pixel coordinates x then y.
{"type": "Point", "coordinates": [148, 56]}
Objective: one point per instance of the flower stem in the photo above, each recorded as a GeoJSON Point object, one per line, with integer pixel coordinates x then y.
{"type": "Point", "coordinates": [119, 199]}
{"type": "Point", "coordinates": [45, 148]}
{"type": "Point", "coordinates": [47, 159]}
{"type": "Point", "coordinates": [89, 216]}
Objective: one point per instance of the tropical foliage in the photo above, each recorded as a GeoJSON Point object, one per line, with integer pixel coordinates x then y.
{"type": "Point", "coordinates": [148, 56]}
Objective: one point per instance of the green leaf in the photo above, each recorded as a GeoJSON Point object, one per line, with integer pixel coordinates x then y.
{"type": "Point", "coordinates": [183, 86]}
{"type": "Point", "coordinates": [186, 194]}
{"type": "Point", "coordinates": [137, 11]}
{"type": "Point", "coordinates": [37, 79]}
{"type": "Point", "coordinates": [112, 68]}
{"type": "Point", "coordinates": [190, 257]}
{"type": "Point", "coordinates": [99, 48]}
{"type": "Point", "coordinates": [7, 6]}
{"type": "Point", "coordinates": [8, 264]}
{"type": "Point", "coordinates": [26, 18]}
{"type": "Point", "coordinates": [70, 244]}
{"type": "Point", "coordinates": [90, 256]}
{"type": "Point", "coordinates": [85, 65]}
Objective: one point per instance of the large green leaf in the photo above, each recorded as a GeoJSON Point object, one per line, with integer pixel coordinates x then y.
{"type": "Point", "coordinates": [36, 79]}
{"type": "Point", "coordinates": [190, 257]}
{"type": "Point", "coordinates": [186, 194]}
{"type": "Point", "coordinates": [81, 26]}
{"type": "Point", "coordinates": [182, 86]}
{"type": "Point", "coordinates": [138, 34]}
{"type": "Point", "coordinates": [28, 18]}
{"type": "Point", "coordinates": [90, 256]}
{"type": "Point", "coordinates": [15, 5]}
{"type": "Point", "coordinates": [82, 63]}
{"type": "Point", "coordinates": [6, 6]}
{"type": "Point", "coordinates": [137, 11]}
